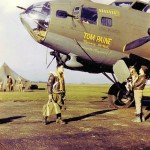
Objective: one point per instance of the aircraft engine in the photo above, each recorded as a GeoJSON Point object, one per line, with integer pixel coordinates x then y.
{"type": "Point", "coordinates": [72, 62]}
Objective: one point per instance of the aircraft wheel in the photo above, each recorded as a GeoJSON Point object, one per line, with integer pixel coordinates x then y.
{"type": "Point", "coordinates": [148, 31]}
{"type": "Point", "coordinates": [123, 100]}
{"type": "Point", "coordinates": [119, 98]}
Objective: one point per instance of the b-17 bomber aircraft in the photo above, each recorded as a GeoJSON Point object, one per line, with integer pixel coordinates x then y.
{"type": "Point", "coordinates": [93, 37]}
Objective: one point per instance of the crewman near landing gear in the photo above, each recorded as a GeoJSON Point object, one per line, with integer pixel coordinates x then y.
{"type": "Point", "coordinates": [138, 93]}
{"type": "Point", "coordinates": [56, 90]}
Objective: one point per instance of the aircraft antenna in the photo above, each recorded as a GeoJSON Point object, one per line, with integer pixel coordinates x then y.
{"type": "Point", "coordinates": [85, 52]}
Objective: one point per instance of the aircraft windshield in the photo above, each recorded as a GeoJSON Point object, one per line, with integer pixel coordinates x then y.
{"type": "Point", "coordinates": [36, 19]}
{"type": "Point", "coordinates": [122, 4]}
{"type": "Point", "coordinates": [137, 5]}
{"type": "Point", "coordinates": [147, 9]}
{"type": "Point", "coordinates": [141, 7]}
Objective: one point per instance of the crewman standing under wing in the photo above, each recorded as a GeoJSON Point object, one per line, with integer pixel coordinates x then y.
{"type": "Point", "coordinates": [56, 90]}
{"type": "Point", "coordinates": [138, 88]}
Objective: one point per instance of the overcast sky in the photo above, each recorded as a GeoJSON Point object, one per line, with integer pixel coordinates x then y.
{"type": "Point", "coordinates": [24, 55]}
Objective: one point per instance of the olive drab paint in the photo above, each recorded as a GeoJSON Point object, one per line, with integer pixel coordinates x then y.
{"type": "Point", "coordinates": [94, 35]}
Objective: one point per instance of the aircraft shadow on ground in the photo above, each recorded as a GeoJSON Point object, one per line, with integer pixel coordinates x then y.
{"type": "Point", "coordinates": [146, 98]}
{"type": "Point", "coordinates": [146, 102]}
{"type": "Point", "coordinates": [87, 115]}
{"type": "Point", "coordinates": [104, 98]}
{"type": "Point", "coordinates": [10, 119]}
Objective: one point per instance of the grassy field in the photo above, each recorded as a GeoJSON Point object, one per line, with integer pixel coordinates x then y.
{"type": "Point", "coordinates": [74, 92]}
{"type": "Point", "coordinates": [91, 124]}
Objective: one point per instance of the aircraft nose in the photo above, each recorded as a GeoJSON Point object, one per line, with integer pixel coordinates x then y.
{"type": "Point", "coordinates": [36, 20]}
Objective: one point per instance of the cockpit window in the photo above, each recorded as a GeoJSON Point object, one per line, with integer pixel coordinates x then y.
{"type": "Point", "coordinates": [147, 9]}
{"type": "Point", "coordinates": [122, 4]}
{"type": "Point", "coordinates": [105, 21]}
{"type": "Point", "coordinates": [89, 15]}
{"type": "Point", "coordinates": [139, 6]}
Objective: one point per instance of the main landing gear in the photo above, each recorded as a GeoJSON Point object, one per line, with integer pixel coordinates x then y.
{"type": "Point", "coordinates": [118, 96]}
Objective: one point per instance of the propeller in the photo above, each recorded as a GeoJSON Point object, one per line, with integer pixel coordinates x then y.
{"type": "Point", "coordinates": [21, 7]}
{"type": "Point", "coordinates": [57, 56]}
{"type": "Point", "coordinates": [50, 62]}
{"type": "Point", "coordinates": [136, 43]}
{"type": "Point", "coordinates": [46, 55]}
{"type": "Point", "coordinates": [46, 59]}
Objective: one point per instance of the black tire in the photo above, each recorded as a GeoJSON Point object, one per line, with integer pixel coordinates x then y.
{"type": "Point", "coordinates": [148, 31]}
{"type": "Point", "coordinates": [118, 96]}
{"type": "Point", "coordinates": [123, 100]}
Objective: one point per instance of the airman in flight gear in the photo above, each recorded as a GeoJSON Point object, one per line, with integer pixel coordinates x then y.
{"type": "Point", "coordinates": [56, 90]}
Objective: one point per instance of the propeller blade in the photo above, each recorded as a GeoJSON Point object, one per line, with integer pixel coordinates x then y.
{"type": "Point", "coordinates": [46, 55]}
{"type": "Point", "coordinates": [21, 7]}
{"type": "Point", "coordinates": [136, 43]}
{"type": "Point", "coordinates": [51, 62]}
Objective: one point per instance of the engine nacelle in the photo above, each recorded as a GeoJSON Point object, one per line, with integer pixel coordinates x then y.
{"type": "Point", "coordinates": [72, 62]}
{"type": "Point", "coordinates": [121, 70]}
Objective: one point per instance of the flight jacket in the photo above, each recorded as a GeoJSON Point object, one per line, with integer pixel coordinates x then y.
{"type": "Point", "coordinates": [54, 85]}
{"type": "Point", "coordinates": [140, 83]}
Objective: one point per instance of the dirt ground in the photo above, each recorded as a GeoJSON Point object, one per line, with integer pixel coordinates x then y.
{"type": "Point", "coordinates": [91, 125]}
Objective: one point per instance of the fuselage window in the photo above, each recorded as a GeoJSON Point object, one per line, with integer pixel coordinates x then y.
{"type": "Point", "coordinates": [106, 21]}
{"type": "Point", "coordinates": [61, 14]}
{"type": "Point", "coordinates": [89, 15]}
{"type": "Point", "coordinates": [76, 8]}
{"type": "Point", "coordinates": [122, 4]}
{"type": "Point", "coordinates": [76, 11]}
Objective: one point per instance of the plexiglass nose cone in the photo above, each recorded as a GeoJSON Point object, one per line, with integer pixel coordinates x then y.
{"type": "Point", "coordinates": [36, 20]}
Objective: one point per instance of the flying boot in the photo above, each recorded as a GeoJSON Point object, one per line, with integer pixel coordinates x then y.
{"type": "Point", "coordinates": [142, 117]}
{"type": "Point", "coordinates": [59, 120]}
{"type": "Point", "coordinates": [45, 120]}
{"type": "Point", "coordinates": [137, 118]}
